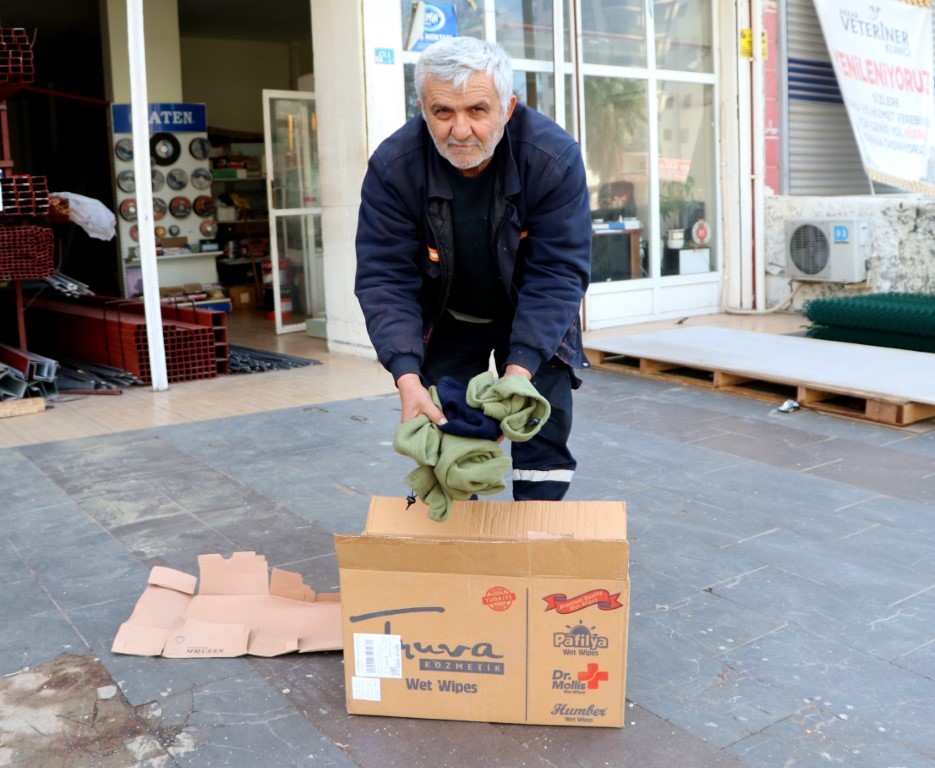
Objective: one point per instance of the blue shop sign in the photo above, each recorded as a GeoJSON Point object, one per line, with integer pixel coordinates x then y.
{"type": "Point", "coordinates": [440, 21]}
{"type": "Point", "coordinates": [174, 118]}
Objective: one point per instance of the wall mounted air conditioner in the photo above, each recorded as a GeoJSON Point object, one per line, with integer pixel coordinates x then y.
{"type": "Point", "coordinates": [828, 250]}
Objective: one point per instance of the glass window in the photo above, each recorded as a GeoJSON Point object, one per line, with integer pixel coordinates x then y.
{"type": "Point", "coordinates": [524, 28]}
{"type": "Point", "coordinates": [686, 177]}
{"type": "Point", "coordinates": [683, 35]}
{"type": "Point", "coordinates": [617, 152]}
{"type": "Point", "coordinates": [537, 90]}
{"type": "Point", "coordinates": [614, 32]}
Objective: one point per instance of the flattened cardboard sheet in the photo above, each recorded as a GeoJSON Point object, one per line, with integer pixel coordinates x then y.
{"type": "Point", "coordinates": [241, 608]}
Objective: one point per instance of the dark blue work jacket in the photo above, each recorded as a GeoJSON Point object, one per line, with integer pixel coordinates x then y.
{"type": "Point", "coordinates": [540, 231]}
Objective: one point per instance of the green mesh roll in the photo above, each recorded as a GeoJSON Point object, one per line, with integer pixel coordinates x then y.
{"type": "Point", "coordinates": [899, 314]}
{"type": "Point", "coordinates": [872, 338]}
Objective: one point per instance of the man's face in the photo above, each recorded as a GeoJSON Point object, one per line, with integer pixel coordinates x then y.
{"type": "Point", "coordinates": [467, 125]}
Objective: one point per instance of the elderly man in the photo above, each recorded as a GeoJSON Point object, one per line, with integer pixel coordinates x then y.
{"type": "Point", "coordinates": [474, 238]}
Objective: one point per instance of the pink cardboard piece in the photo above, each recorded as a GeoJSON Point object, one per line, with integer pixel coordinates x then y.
{"type": "Point", "coordinates": [239, 609]}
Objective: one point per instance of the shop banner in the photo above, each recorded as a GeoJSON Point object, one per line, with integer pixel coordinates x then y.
{"type": "Point", "coordinates": [429, 23]}
{"type": "Point", "coordinates": [882, 56]}
{"type": "Point", "coordinates": [178, 118]}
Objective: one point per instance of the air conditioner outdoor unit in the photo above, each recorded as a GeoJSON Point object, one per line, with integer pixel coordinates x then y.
{"type": "Point", "coordinates": [828, 250]}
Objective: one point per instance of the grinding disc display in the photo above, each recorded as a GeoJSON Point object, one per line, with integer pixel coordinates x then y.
{"type": "Point", "coordinates": [128, 210]}
{"type": "Point", "coordinates": [209, 228]}
{"type": "Point", "coordinates": [160, 231]}
{"type": "Point", "coordinates": [126, 181]}
{"type": "Point", "coordinates": [159, 208]}
{"type": "Point", "coordinates": [159, 180]}
{"type": "Point", "coordinates": [164, 148]}
{"type": "Point", "coordinates": [135, 233]}
{"type": "Point", "coordinates": [180, 207]}
{"type": "Point", "coordinates": [177, 179]}
{"type": "Point", "coordinates": [204, 206]}
{"type": "Point", "coordinates": [201, 178]}
{"type": "Point", "coordinates": [200, 148]}
{"type": "Point", "coordinates": [174, 230]}
{"type": "Point", "coordinates": [124, 149]}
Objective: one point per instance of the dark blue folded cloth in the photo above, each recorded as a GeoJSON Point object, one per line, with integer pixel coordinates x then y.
{"type": "Point", "coordinates": [464, 420]}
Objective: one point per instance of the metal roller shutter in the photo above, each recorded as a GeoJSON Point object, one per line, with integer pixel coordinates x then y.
{"type": "Point", "coordinates": [819, 151]}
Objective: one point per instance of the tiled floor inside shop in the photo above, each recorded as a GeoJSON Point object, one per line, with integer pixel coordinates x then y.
{"type": "Point", "coordinates": [782, 569]}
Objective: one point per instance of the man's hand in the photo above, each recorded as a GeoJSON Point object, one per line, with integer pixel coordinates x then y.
{"type": "Point", "coordinates": [416, 399]}
{"type": "Point", "coordinates": [518, 370]}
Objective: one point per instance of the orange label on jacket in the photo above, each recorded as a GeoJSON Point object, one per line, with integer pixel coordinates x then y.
{"type": "Point", "coordinates": [433, 255]}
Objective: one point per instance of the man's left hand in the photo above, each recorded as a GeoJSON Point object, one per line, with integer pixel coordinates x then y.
{"type": "Point", "coordinates": [518, 370]}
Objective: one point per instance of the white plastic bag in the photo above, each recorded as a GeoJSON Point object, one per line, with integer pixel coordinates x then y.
{"type": "Point", "coordinates": [91, 215]}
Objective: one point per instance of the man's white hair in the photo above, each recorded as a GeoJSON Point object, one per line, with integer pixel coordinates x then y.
{"type": "Point", "coordinates": [455, 59]}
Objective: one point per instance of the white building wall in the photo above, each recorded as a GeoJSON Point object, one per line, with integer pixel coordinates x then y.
{"type": "Point", "coordinates": [902, 254]}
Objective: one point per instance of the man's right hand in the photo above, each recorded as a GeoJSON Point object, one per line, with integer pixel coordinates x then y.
{"type": "Point", "coordinates": [416, 399]}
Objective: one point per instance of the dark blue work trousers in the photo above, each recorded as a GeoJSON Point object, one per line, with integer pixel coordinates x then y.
{"type": "Point", "coordinates": [543, 466]}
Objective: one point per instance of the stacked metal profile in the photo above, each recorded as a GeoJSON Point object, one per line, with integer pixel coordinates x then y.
{"type": "Point", "coordinates": [16, 59]}
{"type": "Point", "coordinates": [900, 320]}
{"type": "Point", "coordinates": [23, 374]}
{"type": "Point", "coordinates": [27, 249]}
{"type": "Point", "coordinates": [113, 332]}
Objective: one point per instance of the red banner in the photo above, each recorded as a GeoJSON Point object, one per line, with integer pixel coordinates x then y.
{"type": "Point", "coordinates": [600, 597]}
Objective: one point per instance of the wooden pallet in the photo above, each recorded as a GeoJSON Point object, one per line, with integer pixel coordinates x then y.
{"type": "Point", "coordinates": [21, 407]}
{"type": "Point", "coordinates": [893, 410]}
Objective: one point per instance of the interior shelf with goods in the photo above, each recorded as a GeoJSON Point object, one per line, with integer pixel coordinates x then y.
{"type": "Point", "coordinates": [239, 189]}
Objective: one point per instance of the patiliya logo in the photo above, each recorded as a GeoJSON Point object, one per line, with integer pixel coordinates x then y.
{"type": "Point", "coordinates": [580, 640]}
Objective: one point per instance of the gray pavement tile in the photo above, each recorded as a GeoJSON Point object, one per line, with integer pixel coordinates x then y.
{"type": "Point", "coordinates": [873, 694]}
{"type": "Point", "coordinates": [11, 567]}
{"type": "Point", "coordinates": [812, 737]}
{"type": "Point", "coordinates": [25, 487]}
{"type": "Point", "coordinates": [913, 518]}
{"type": "Point", "coordinates": [242, 721]}
{"type": "Point", "coordinates": [847, 616]}
{"type": "Point", "coordinates": [38, 632]}
{"type": "Point", "coordinates": [80, 466]}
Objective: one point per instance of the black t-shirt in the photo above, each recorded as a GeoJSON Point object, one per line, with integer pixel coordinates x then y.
{"type": "Point", "coordinates": [477, 289]}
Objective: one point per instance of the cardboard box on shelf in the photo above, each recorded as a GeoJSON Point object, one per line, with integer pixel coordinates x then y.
{"type": "Point", "coordinates": [241, 608]}
{"type": "Point", "coordinates": [242, 296]}
{"type": "Point", "coordinates": [510, 612]}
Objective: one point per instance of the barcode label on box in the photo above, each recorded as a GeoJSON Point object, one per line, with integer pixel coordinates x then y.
{"type": "Point", "coordinates": [378, 655]}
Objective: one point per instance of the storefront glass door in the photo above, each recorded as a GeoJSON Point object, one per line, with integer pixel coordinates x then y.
{"type": "Point", "coordinates": [635, 82]}
{"type": "Point", "coordinates": [292, 280]}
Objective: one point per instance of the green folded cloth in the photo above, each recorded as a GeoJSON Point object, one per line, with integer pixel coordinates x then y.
{"type": "Point", "coordinates": [425, 485]}
{"type": "Point", "coordinates": [450, 467]}
{"type": "Point", "coordinates": [419, 439]}
{"type": "Point", "coordinates": [513, 401]}
{"type": "Point", "coordinates": [469, 465]}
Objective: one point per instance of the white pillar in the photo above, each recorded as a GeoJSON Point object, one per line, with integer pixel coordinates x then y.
{"type": "Point", "coordinates": [139, 111]}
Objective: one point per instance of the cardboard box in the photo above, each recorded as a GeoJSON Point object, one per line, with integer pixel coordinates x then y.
{"type": "Point", "coordinates": [242, 296]}
{"type": "Point", "coordinates": [505, 612]}
{"type": "Point", "coordinates": [241, 607]}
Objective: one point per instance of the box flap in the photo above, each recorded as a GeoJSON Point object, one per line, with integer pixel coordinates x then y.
{"type": "Point", "coordinates": [542, 557]}
{"type": "Point", "coordinates": [244, 573]}
{"type": "Point", "coordinates": [160, 576]}
{"type": "Point", "coordinates": [290, 585]}
{"type": "Point", "coordinates": [139, 640]}
{"type": "Point", "coordinates": [389, 516]}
